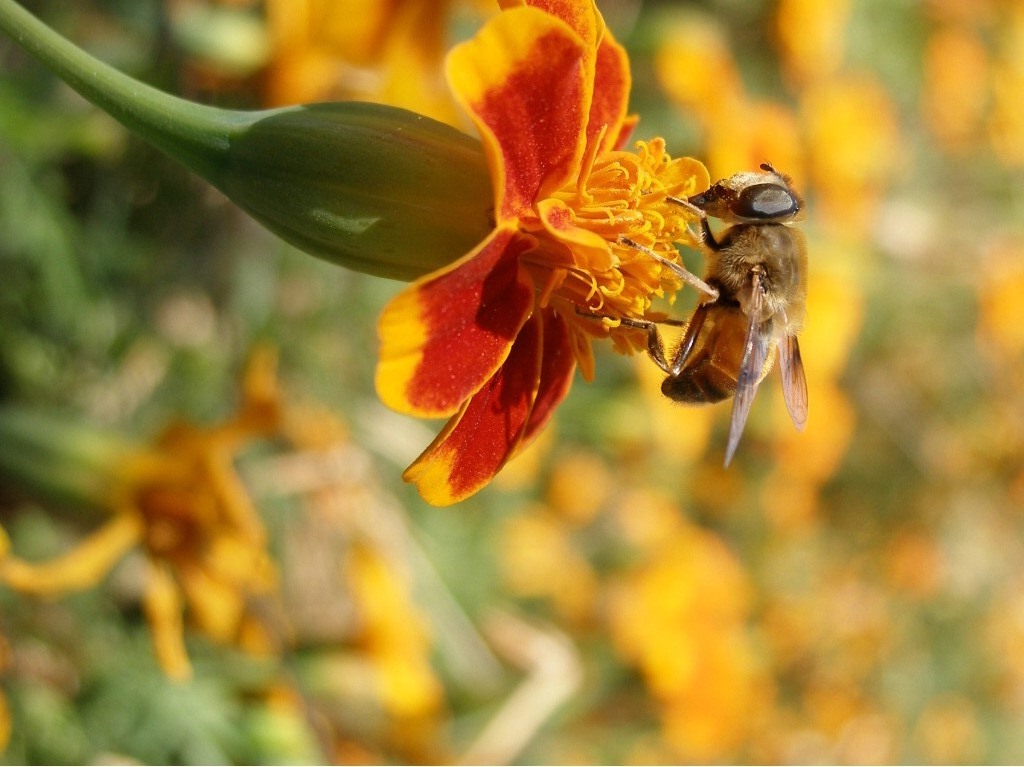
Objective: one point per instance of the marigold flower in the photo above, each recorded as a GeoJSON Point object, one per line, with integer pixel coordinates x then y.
{"type": "Point", "coordinates": [492, 341]}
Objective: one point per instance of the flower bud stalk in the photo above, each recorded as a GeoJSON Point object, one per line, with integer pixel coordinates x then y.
{"type": "Point", "coordinates": [373, 188]}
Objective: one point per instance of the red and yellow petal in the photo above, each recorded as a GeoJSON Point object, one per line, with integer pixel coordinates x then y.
{"type": "Point", "coordinates": [557, 365]}
{"type": "Point", "coordinates": [446, 334]}
{"type": "Point", "coordinates": [526, 79]}
{"type": "Point", "coordinates": [612, 81]}
{"type": "Point", "coordinates": [477, 442]}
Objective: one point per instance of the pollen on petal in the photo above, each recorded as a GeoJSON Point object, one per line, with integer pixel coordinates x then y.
{"type": "Point", "coordinates": [445, 336]}
{"type": "Point", "coordinates": [478, 441]}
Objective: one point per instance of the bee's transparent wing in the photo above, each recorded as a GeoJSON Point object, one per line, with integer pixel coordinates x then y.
{"type": "Point", "coordinates": [794, 383]}
{"type": "Point", "coordinates": [755, 352]}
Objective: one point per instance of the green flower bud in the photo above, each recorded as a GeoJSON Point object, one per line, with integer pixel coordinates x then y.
{"type": "Point", "coordinates": [373, 188]}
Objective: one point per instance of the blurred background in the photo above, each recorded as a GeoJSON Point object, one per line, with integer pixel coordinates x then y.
{"type": "Point", "coordinates": [851, 593]}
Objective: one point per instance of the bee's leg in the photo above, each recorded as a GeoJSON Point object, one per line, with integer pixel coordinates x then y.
{"type": "Point", "coordinates": [706, 235]}
{"type": "Point", "coordinates": [680, 271]}
{"type": "Point", "coordinates": [655, 346]}
{"type": "Point", "coordinates": [693, 328]}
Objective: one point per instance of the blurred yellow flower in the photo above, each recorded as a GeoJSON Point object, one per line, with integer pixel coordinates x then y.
{"type": "Point", "coordinates": [1006, 124]}
{"type": "Point", "coordinates": [181, 502]}
{"type": "Point", "coordinates": [955, 92]}
{"type": "Point", "coordinates": [1000, 329]}
{"type": "Point", "coordinates": [537, 560]}
{"type": "Point", "coordinates": [948, 731]}
{"type": "Point", "coordinates": [394, 636]}
{"type": "Point", "coordinates": [853, 144]}
{"type": "Point", "coordinates": [647, 519]}
{"type": "Point", "coordinates": [957, 12]}
{"type": "Point", "coordinates": [386, 51]}
{"type": "Point", "coordinates": [578, 487]}
{"type": "Point", "coordinates": [5, 710]}
{"type": "Point", "coordinates": [811, 38]}
{"type": "Point", "coordinates": [538, 556]}
{"type": "Point", "coordinates": [973, 76]}
{"type": "Point", "coordinates": [827, 636]}
{"type": "Point", "coordinates": [681, 619]}
{"type": "Point", "coordinates": [914, 564]}
{"type": "Point", "coordinates": [696, 69]}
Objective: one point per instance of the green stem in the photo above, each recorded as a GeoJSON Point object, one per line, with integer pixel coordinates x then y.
{"type": "Point", "coordinates": [45, 456]}
{"type": "Point", "coordinates": [195, 134]}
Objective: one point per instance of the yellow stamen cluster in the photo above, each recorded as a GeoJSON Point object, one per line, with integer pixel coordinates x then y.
{"type": "Point", "coordinates": [619, 201]}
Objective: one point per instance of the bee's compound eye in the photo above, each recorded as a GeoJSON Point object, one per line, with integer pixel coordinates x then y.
{"type": "Point", "coordinates": [766, 202]}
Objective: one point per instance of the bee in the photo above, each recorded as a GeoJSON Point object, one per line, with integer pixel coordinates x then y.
{"type": "Point", "coordinates": [755, 295]}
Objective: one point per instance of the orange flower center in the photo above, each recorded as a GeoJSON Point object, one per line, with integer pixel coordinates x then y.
{"type": "Point", "coordinates": [173, 530]}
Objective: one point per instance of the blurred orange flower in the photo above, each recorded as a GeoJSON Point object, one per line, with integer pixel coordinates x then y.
{"type": "Point", "coordinates": [1006, 124]}
{"type": "Point", "coordinates": [182, 503]}
{"type": "Point", "coordinates": [1000, 330]}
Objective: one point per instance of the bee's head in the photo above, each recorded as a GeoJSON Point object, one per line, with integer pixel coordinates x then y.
{"type": "Point", "coordinates": [751, 197]}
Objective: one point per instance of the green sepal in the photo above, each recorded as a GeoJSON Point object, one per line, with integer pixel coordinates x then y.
{"type": "Point", "coordinates": [373, 188]}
